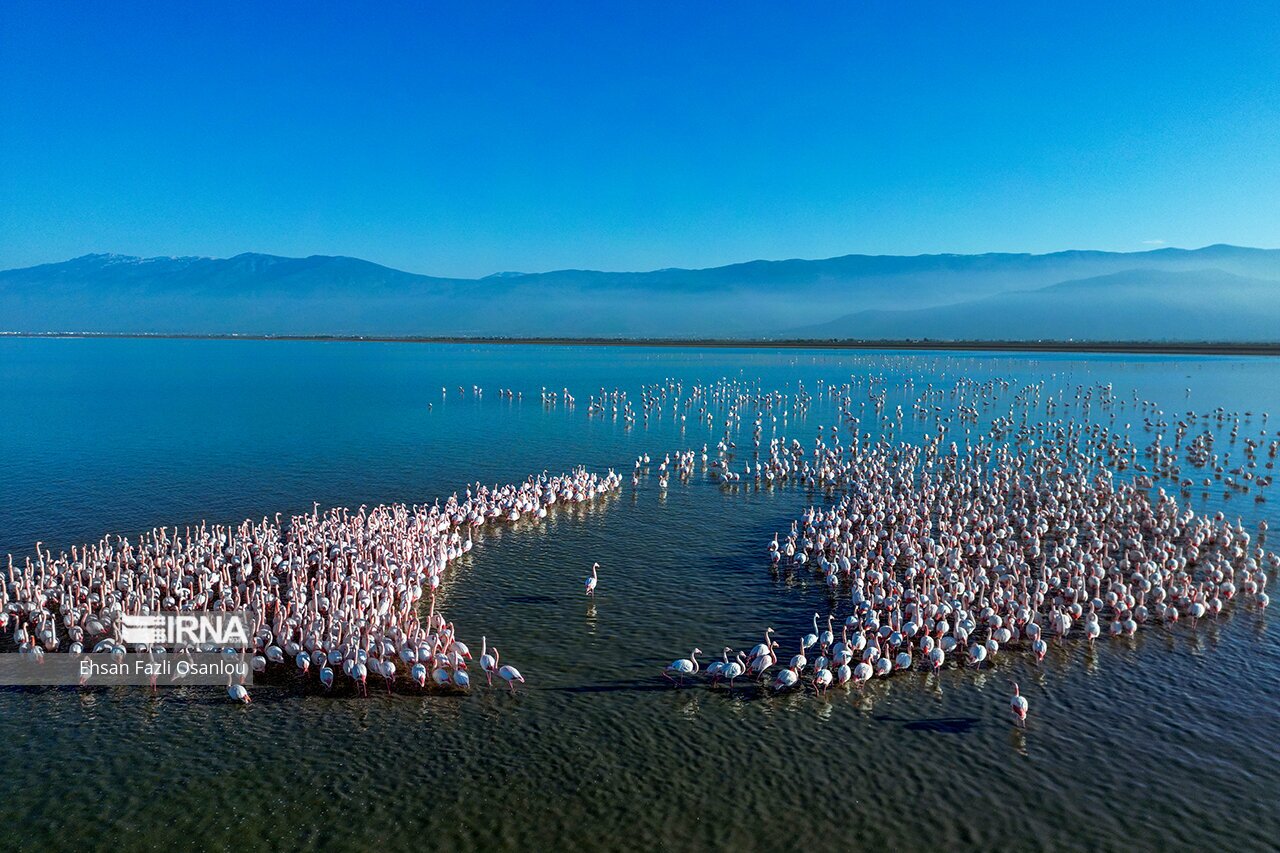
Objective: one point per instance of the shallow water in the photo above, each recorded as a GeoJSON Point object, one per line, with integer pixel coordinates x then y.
{"type": "Point", "coordinates": [1165, 740]}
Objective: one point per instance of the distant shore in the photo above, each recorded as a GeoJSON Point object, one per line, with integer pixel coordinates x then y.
{"type": "Point", "coordinates": [1135, 347]}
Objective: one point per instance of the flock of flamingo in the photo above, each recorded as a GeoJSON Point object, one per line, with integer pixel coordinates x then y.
{"type": "Point", "coordinates": [327, 592]}
{"type": "Point", "coordinates": [960, 549]}
{"type": "Point", "coordinates": [1020, 518]}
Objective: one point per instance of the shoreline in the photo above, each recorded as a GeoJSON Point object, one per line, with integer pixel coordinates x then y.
{"type": "Point", "coordinates": [1132, 347]}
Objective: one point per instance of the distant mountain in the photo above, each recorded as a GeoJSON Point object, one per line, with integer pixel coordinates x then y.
{"type": "Point", "coordinates": [854, 295]}
{"type": "Point", "coordinates": [1201, 305]}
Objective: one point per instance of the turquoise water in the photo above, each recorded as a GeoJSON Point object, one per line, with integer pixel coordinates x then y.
{"type": "Point", "coordinates": [1166, 740]}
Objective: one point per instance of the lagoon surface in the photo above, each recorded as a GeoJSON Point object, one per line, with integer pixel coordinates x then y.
{"type": "Point", "coordinates": [1167, 740]}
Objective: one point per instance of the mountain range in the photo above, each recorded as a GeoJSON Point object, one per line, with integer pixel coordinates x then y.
{"type": "Point", "coordinates": [1217, 293]}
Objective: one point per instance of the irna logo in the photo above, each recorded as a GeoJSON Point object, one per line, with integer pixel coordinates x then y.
{"type": "Point", "coordinates": [186, 629]}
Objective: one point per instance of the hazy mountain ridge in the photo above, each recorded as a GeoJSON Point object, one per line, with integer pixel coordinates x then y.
{"type": "Point", "coordinates": [1202, 305]}
{"type": "Point", "coordinates": [882, 296]}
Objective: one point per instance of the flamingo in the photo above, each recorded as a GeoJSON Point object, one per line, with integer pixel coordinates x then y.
{"type": "Point", "coordinates": [760, 665]}
{"type": "Point", "coordinates": [510, 675]}
{"type": "Point", "coordinates": [862, 673]}
{"type": "Point", "coordinates": [764, 648]}
{"type": "Point", "coordinates": [810, 640]}
{"type": "Point", "coordinates": [359, 673]}
{"type": "Point", "coordinates": [785, 680]}
{"type": "Point", "coordinates": [843, 674]}
{"type": "Point", "coordinates": [826, 638]}
{"type": "Point", "coordinates": [488, 662]}
{"type": "Point", "coordinates": [682, 667]}
{"type": "Point", "coordinates": [799, 662]}
{"type": "Point", "coordinates": [734, 669]}
{"type": "Point", "coordinates": [591, 581]}
{"type": "Point", "coordinates": [1018, 704]}
{"type": "Point", "coordinates": [716, 669]}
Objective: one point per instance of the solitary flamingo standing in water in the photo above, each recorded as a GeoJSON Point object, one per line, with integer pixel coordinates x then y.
{"type": "Point", "coordinates": [591, 581]}
{"type": "Point", "coordinates": [1018, 704]}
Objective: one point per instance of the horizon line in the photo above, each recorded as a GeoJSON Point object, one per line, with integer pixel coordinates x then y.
{"type": "Point", "coordinates": [1043, 345]}
{"type": "Point", "coordinates": [502, 273]}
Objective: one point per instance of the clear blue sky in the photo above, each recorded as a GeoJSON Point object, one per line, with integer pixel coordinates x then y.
{"type": "Point", "coordinates": [462, 139]}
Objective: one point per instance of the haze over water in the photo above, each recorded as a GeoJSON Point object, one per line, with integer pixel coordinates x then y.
{"type": "Point", "coordinates": [1166, 740]}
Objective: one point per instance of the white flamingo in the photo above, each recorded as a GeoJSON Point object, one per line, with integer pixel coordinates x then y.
{"type": "Point", "coordinates": [716, 669]}
{"type": "Point", "coordinates": [1018, 704]}
{"type": "Point", "coordinates": [735, 668]}
{"type": "Point", "coordinates": [488, 662]}
{"type": "Point", "coordinates": [510, 675]}
{"type": "Point", "coordinates": [682, 667]}
{"type": "Point", "coordinates": [810, 640]}
{"type": "Point", "coordinates": [786, 679]}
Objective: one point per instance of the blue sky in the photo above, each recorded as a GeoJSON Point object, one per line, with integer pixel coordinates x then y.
{"type": "Point", "coordinates": [467, 138]}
